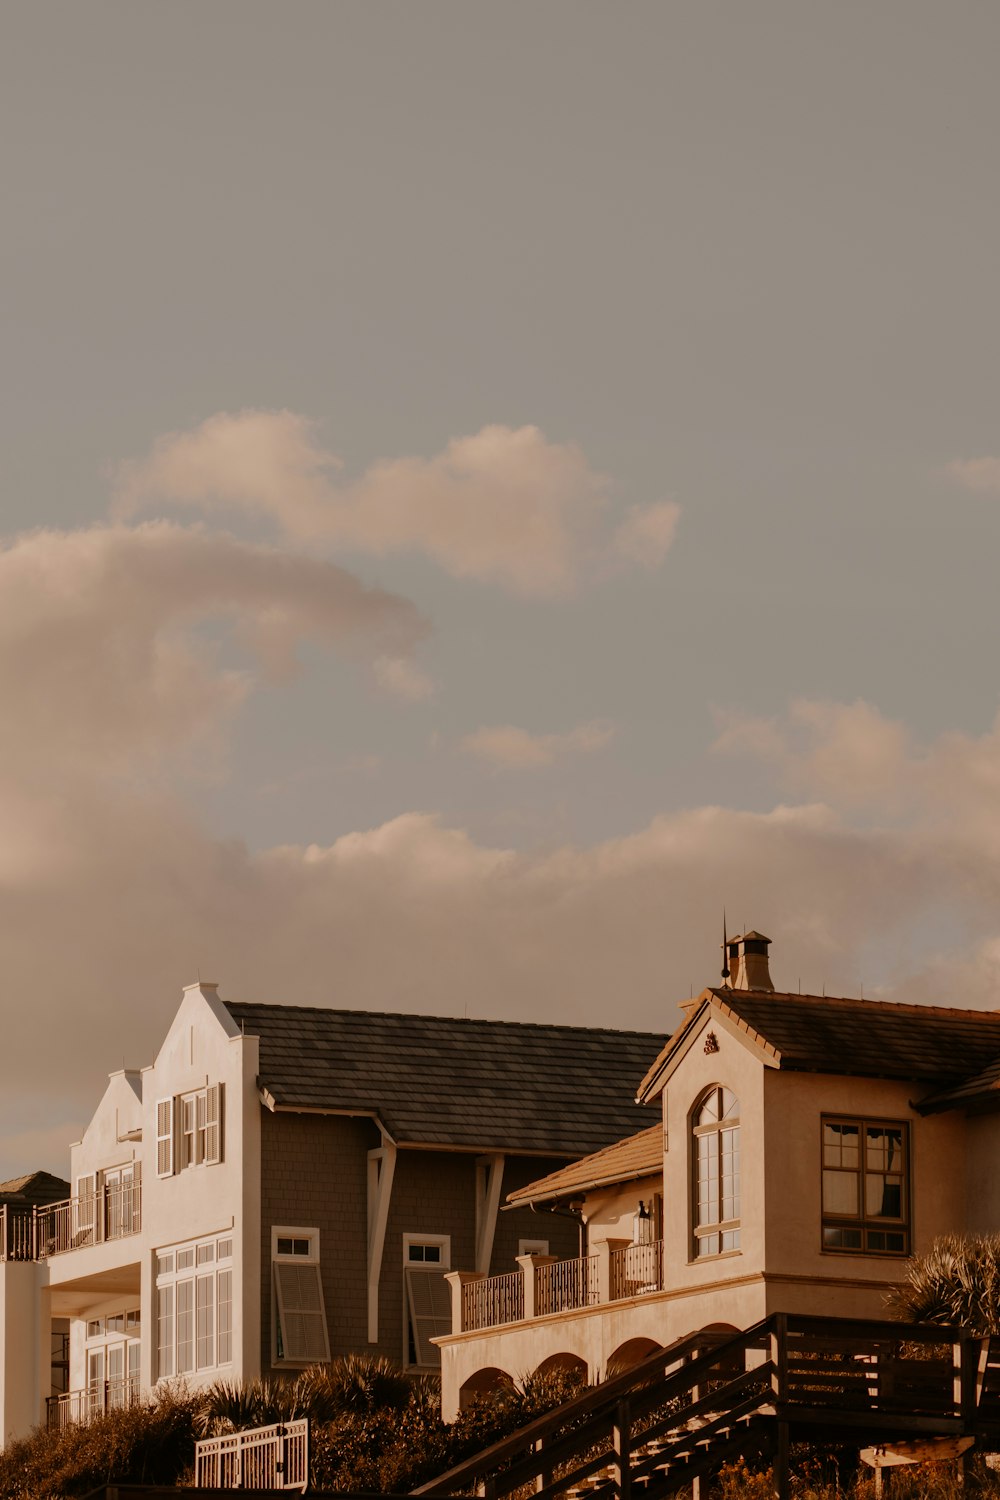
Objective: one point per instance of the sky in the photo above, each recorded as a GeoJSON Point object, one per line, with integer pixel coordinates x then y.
{"type": "Point", "coordinates": [485, 489]}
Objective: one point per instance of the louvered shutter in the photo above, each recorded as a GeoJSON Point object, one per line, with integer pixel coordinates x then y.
{"type": "Point", "coordinates": [165, 1138]}
{"type": "Point", "coordinates": [213, 1124]}
{"type": "Point", "coordinates": [429, 1298]}
{"type": "Point", "coordinates": [301, 1315]}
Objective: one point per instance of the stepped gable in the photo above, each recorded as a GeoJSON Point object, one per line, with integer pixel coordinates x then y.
{"type": "Point", "coordinates": [467, 1084]}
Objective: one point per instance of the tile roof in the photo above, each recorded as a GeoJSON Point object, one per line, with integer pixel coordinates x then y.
{"type": "Point", "coordinates": [639, 1155]}
{"type": "Point", "coordinates": [562, 1090]}
{"type": "Point", "coordinates": [937, 1046]}
{"type": "Point", "coordinates": [34, 1188]}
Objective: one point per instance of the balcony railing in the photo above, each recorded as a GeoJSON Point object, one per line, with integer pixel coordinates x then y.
{"type": "Point", "coordinates": [82, 1406]}
{"type": "Point", "coordinates": [566, 1284]}
{"type": "Point", "coordinates": [543, 1286]}
{"type": "Point", "coordinates": [493, 1301]}
{"type": "Point", "coordinates": [636, 1269]}
{"type": "Point", "coordinates": [111, 1213]}
{"type": "Point", "coordinates": [17, 1234]}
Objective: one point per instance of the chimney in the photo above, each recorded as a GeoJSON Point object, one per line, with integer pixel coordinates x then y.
{"type": "Point", "coordinates": [748, 962]}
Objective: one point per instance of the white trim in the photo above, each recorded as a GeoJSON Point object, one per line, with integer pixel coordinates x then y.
{"type": "Point", "coordinates": [443, 1241]}
{"type": "Point", "coordinates": [532, 1247]}
{"type": "Point", "coordinates": [381, 1171]}
{"type": "Point", "coordinates": [278, 1290]}
{"type": "Point", "coordinates": [489, 1179]}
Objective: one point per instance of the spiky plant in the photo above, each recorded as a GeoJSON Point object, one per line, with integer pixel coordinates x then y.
{"type": "Point", "coordinates": [233, 1405]}
{"type": "Point", "coordinates": [359, 1385]}
{"type": "Point", "coordinates": [957, 1282]}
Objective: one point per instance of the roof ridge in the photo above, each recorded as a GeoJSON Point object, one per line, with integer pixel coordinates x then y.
{"type": "Point", "coordinates": [404, 1015]}
{"type": "Point", "coordinates": [855, 1000]}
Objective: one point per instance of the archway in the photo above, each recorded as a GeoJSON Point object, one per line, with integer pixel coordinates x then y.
{"type": "Point", "coordinates": [484, 1383]}
{"type": "Point", "coordinates": [629, 1354]}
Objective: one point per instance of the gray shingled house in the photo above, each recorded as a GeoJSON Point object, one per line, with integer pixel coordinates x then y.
{"type": "Point", "coordinates": [398, 1137]}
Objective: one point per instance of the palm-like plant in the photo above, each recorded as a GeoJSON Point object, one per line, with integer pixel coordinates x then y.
{"type": "Point", "coordinates": [957, 1282]}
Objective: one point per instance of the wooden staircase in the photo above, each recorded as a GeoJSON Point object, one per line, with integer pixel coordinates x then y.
{"type": "Point", "coordinates": [680, 1414]}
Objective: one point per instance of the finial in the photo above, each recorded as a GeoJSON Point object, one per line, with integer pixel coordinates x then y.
{"type": "Point", "coordinates": [725, 948]}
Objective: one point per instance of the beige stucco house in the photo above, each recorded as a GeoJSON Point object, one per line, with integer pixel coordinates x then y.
{"type": "Point", "coordinates": [284, 1184]}
{"type": "Point", "coordinates": [807, 1146]}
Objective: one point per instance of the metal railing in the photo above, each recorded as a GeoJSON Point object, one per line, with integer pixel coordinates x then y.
{"type": "Point", "coordinates": [17, 1233]}
{"type": "Point", "coordinates": [110, 1213]}
{"type": "Point", "coordinates": [636, 1269]}
{"type": "Point", "coordinates": [566, 1284]}
{"type": "Point", "coordinates": [265, 1458]}
{"type": "Point", "coordinates": [74, 1407]}
{"type": "Point", "coordinates": [493, 1301]}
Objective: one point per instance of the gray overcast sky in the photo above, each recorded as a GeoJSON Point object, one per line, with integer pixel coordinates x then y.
{"type": "Point", "coordinates": [514, 477]}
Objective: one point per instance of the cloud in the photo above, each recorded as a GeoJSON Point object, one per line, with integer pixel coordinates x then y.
{"type": "Point", "coordinates": [402, 679]}
{"type": "Point", "coordinates": [111, 644]}
{"type": "Point", "coordinates": [979, 474]}
{"type": "Point", "coordinates": [517, 750]}
{"type": "Point", "coordinates": [504, 505]}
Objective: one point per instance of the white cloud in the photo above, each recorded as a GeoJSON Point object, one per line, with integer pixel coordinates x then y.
{"type": "Point", "coordinates": [514, 749]}
{"type": "Point", "coordinates": [979, 474]}
{"type": "Point", "coordinates": [504, 505]}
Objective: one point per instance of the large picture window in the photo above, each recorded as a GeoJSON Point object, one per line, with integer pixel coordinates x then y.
{"type": "Point", "coordinates": [194, 1307]}
{"type": "Point", "coordinates": [716, 1157]}
{"type": "Point", "coordinates": [866, 1186]}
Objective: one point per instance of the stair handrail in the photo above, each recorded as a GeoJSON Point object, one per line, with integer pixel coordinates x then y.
{"type": "Point", "coordinates": [599, 1396]}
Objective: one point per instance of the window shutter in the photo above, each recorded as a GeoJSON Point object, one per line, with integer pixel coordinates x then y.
{"type": "Point", "coordinates": [429, 1298]}
{"type": "Point", "coordinates": [213, 1124]}
{"type": "Point", "coordinates": [165, 1138]}
{"type": "Point", "coordinates": [301, 1315]}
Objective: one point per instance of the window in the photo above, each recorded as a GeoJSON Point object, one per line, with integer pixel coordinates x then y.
{"type": "Point", "coordinates": [716, 1159]}
{"type": "Point", "coordinates": [189, 1130]}
{"type": "Point", "coordinates": [113, 1359]}
{"type": "Point", "coordinates": [194, 1308]}
{"type": "Point", "coordinates": [866, 1186]}
{"type": "Point", "coordinates": [426, 1258]}
{"type": "Point", "coordinates": [532, 1247]}
{"type": "Point", "coordinates": [299, 1315]}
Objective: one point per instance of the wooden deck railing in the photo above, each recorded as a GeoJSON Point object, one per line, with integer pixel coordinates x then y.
{"type": "Point", "coordinates": [263, 1458]}
{"type": "Point", "coordinates": [683, 1411]}
{"type": "Point", "coordinates": [562, 1285]}
{"type": "Point", "coordinates": [493, 1301]}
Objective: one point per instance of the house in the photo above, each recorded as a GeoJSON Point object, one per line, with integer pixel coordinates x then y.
{"type": "Point", "coordinates": [807, 1146]}
{"type": "Point", "coordinates": [284, 1184]}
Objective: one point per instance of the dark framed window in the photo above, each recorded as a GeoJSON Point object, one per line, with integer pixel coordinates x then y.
{"type": "Point", "coordinates": [866, 1186]}
{"type": "Point", "coordinates": [715, 1127]}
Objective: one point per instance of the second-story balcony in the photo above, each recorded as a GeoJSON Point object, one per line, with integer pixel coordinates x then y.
{"type": "Point", "coordinates": [17, 1233]}
{"type": "Point", "coordinates": [110, 1213]}
{"type": "Point", "coordinates": [543, 1286]}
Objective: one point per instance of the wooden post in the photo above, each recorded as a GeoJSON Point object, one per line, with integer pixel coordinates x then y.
{"type": "Point", "coordinates": [782, 1474]}
{"type": "Point", "coordinates": [544, 1475]}
{"type": "Point", "coordinates": [779, 1386]}
{"type": "Point", "coordinates": [621, 1440]}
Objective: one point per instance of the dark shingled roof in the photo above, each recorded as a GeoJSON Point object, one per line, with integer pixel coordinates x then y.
{"type": "Point", "coordinates": [33, 1189]}
{"type": "Point", "coordinates": [936, 1046]}
{"type": "Point", "coordinates": [436, 1080]}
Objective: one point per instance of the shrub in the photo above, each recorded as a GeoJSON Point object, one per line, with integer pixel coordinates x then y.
{"type": "Point", "coordinates": [956, 1282]}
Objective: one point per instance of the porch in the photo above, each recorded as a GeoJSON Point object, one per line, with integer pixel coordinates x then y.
{"type": "Point", "coordinates": [91, 1401]}
{"type": "Point", "coordinates": [112, 1211]}
{"type": "Point", "coordinates": [543, 1285]}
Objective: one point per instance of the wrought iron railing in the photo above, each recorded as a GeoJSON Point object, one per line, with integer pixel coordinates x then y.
{"type": "Point", "coordinates": [265, 1458]}
{"type": "Point", "coordinates": [493, 1301]}
{"type": "Point", "coordinates": [17, 1233]}
{"type": "Point", "coordinates": [562, 1285]}
{"type": "Point", "coordinates": [110, 1213]}
{"type": "Point", "coordinates": [636, 1269]}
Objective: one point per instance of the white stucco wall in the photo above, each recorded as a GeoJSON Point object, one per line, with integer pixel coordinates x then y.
{"type": "Point", "coordinates": [24, 1379]}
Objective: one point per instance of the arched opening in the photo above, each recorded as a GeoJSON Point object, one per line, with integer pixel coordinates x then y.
{"type": "Point", "coordinates": [629, 1354]}
{"type": "Point", "coordinates": [563, 1364]}
{"type": "Point", "coordinates": [484, 1383]}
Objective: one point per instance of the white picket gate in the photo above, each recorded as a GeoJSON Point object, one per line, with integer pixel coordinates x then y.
{"type": "Point", "coordinates": [263, 1458]}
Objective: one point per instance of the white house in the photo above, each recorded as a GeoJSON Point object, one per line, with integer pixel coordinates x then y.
{"type": "Point", "coordinates": [284, 1184]}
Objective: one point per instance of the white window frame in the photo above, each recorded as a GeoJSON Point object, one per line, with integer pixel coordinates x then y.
{"type": "Point", "coordinates": [532, 1247]}
{"type": "Point", "coordinates": [295, 1232]}
{"type": "Point", "coordinates": [443, 1242]}
{"type": "Point", "coordinates": [189, 1129]}
{"type": "Point", "coordinates": [170, 1280]}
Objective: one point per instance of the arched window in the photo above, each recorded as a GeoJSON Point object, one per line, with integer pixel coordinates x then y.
{"type": "Point", "coordinates": [716, 1152]}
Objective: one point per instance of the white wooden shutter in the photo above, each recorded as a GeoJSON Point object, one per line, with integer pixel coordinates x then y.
{"type": "Point", "coordinates": [165, 1138]}
{"type": "Point", "coordinates": [429, 1299]}
{"type": "Point", "coordinates": [301, 1314]}
{"type": "Point", "coordinates": [213, 1124]}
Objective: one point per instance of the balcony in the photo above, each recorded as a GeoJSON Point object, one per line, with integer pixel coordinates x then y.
{"type": "Point", "coordinates": [74, 1407]}
{"type": "Point", "coordinates": [111, 1213]}
{"type": "Point", "coordinates": [544, 1286]}
{"type": "Point", "coordinates": [17, 1234]}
